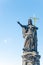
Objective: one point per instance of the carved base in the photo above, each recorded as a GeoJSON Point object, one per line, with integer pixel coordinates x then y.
{"type": "Point", "coordinates": [29, 50]}
{"type": "Point", "coordinates": [30, 58]}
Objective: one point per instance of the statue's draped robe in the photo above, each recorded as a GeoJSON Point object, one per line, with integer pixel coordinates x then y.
{"type": "Point", "coordinates": [30, 36]}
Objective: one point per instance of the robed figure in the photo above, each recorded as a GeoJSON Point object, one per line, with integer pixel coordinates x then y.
{"type": "Point", "coordinates": [30, 34]}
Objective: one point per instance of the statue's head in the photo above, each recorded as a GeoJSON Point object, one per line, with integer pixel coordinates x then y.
{"type": "Point", "coordinates": [29, 21]}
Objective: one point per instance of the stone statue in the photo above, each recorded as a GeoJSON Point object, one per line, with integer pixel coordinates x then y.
{"type": "Point", "coordinates": [30, 34]}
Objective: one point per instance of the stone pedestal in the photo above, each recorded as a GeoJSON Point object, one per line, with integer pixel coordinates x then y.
{"type": "Point", "coordinates": [30, 58]}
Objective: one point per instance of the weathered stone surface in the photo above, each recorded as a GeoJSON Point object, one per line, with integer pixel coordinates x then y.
{"type": "Point", "coordinates": [30, 35]}
{"type": "Point", "coordinates": [30, 53]}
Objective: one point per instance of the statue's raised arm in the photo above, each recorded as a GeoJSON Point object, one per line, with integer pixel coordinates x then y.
{"type": "Point", "coordinates": [24, 26]}
{"type": "Point", "coordinates": [20, 24]}
{"type": "Point", "coordinates": [24, 29]}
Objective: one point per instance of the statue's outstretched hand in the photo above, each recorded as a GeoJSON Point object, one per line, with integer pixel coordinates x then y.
{"type": "Point", "coordinates": [18, 22]}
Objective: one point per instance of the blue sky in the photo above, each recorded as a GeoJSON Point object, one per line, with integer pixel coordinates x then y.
{"type": "Point", "coordinates": [11, 40]}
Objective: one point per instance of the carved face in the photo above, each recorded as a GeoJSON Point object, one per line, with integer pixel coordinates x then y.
{"type": "Point", "coordinates": [29, 22]}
